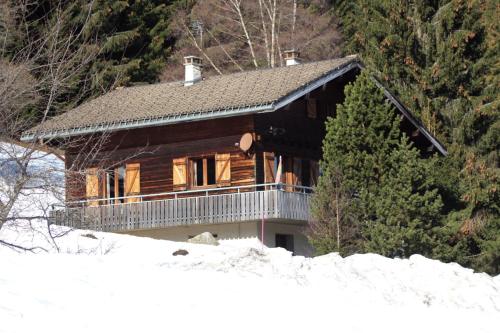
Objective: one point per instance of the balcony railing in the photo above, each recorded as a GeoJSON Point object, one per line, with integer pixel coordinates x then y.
{"type": "Point", "coordinates": [207, 206]}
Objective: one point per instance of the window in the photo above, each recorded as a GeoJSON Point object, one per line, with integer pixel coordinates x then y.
{"type": "Point", "coordinates": [203, 171]}
{"type": "Point", "coordinates": [284, 241]}
{"type": "Point", "coordinates": [214, 170]}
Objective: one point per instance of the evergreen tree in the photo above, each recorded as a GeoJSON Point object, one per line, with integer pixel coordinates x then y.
{"type": "Point", "coordinates": [393, 204]}
{"type": "Point", "coordinates": [131, 40]}
{"type": "Point", "coordinates": [407, 207]}
{"type": "Point", "coordinates": [441, 58]}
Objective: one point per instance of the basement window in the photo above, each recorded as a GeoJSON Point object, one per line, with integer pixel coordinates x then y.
{"type": "Point", "coordinates": [202, 171]}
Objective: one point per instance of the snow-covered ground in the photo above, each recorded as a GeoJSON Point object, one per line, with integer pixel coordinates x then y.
{"type": "Point", "coordinates": [120, 283]}
{"type": "Point", "coordinates": [99, 282]}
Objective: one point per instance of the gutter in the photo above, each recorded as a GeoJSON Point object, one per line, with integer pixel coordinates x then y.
{"type": "Point", "coordinates": [153, 122]}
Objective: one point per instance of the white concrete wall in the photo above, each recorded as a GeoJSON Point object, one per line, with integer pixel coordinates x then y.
{"type": "Point", "coordinates": [225, 231]}
{"type": "Point", "coordinates": [301, 245]}
{"type": "Point", "coordinates": [232, 231]}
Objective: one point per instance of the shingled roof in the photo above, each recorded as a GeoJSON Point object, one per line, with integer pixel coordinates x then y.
{"type": "Point", "coordinates": [217, 96]}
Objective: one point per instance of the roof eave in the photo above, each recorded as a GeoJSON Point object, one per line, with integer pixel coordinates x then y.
{"type": "Point", "coordinates": [173, 119]}
{"type": "Point", "coordinates": [239, 111]}
{"type": "Point", "coordinates": [335, 73]}
{"type": "Point", "coordinates": [415, 122]}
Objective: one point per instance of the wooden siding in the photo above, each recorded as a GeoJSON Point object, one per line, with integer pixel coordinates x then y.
{"type": "Point", "coordinates": [298, 134]}
{"type": "Point", "coordinates": [156, 148]}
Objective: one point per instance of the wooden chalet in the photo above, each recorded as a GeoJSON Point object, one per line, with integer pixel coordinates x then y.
{"type": "Point", "coordinates": [235, 155]}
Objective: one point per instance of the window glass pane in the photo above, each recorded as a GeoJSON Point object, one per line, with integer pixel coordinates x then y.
{"type": "Point", "coordinates": [193, 174]}
{"type": "Point", "coordinates": [121, 182]}
{"type": "Point", "coordinates": [198, 164]}
{"type": "Point", "coordinates": [306, 173]}
{"type": "Point", "coordinates": [210, 170]}
{"type": "Point", "coordinates": [111, 184]}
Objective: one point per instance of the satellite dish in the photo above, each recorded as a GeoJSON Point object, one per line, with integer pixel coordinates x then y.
{"type": "Point", "coordinates": [246, 142]}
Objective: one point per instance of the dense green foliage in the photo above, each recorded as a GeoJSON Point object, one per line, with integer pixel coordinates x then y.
{"type": "Point", "coordinates": [442, 59]}
{"type": "Point", "coordinates": [393, 205]}
{"type": "Point", "coordinates": [124, 42]}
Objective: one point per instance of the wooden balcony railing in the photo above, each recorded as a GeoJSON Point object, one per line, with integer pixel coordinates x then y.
{"type": "Point", "coordinates": [223, 205]}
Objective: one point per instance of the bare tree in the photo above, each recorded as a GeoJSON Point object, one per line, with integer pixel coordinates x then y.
{"type": "Point", "coordinates": [32, 78]}
{"type": "Point", "coordinates": [232, 35]}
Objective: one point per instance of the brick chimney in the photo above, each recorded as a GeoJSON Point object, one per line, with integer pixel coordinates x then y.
{"type": "Point", "coordinates": [291, 57]}
{"type": "Point", "coordinates": [192, 70]}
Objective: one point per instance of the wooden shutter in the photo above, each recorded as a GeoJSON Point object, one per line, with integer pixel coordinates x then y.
{"type": "Point", "coordinates": [180, 174]}
{"type": "Point", "coordinates": [92, 185]}
{"type": "Point", "coordinates": [132, 181]}
{"type": "Point", "coordinates": [312, 108]}
{"type": "Point", "coordinates": [269, 172]}
{"type": "Point", "coordinates": [314, 172]}
{"type": "Point", "coordinates": [223, 169]}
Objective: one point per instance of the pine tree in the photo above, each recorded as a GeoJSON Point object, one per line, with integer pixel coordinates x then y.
{"type": "Point", "coordinates": [441, 58]}
{"type": "Point", "coordinates": [131, 39]}
{"type": "Point", "coordinates": [407, 207]}
{"type": "Point", "coordinates": [392, 205]}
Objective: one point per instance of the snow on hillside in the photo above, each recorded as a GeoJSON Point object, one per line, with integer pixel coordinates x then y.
{"type": "Point", "coordinates": [101, 282]}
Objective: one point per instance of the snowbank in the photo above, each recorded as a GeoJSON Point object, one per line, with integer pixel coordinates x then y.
{"type": "Point", "coordinates": [118, 283]}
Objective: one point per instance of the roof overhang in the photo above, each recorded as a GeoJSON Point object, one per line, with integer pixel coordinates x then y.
{"type": "Point", "coordinates": [415, 122]}
{"type": "Point", "coordinates": [142, 123]}
{"type": "Point", "coordinates": [231, 112]}
{"type": "Point", "coordinates": [202, 115]}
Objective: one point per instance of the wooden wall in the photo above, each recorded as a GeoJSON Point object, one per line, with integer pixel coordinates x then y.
{"type": "Point", "coordinates": [297, 135]}
{"type": "Point", "coordinates": [155, 148]}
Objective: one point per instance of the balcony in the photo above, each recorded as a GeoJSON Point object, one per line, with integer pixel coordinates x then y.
{"type": "Point", "coordinates": [208, 206]}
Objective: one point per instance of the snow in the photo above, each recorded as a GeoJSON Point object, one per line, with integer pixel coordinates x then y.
{"type": "Point", "coordinates": [126, 283]}
{"type": "Point", "coordinates": [101, 282]}
{"type": "Point", "coordinates": [45, 187]}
